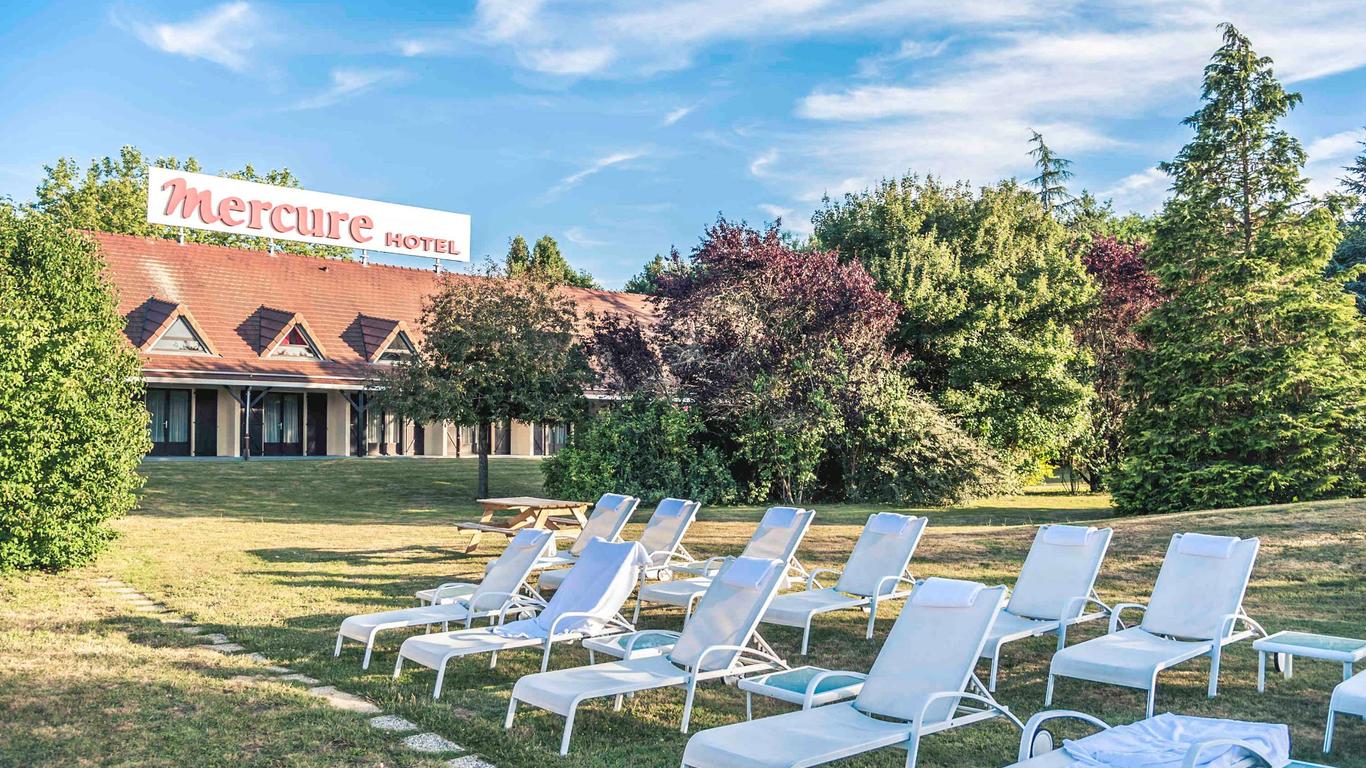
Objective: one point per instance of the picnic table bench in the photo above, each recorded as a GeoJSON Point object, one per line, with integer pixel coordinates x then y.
{"type": "Point", "coordinates": [507, 516]}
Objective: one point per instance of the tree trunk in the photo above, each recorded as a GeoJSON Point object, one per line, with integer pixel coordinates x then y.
{"type": "Point", "coordinates": [482, 433]}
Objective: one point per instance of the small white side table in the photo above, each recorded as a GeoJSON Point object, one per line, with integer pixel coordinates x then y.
{"type": "Point", "coordinates": [1343, 650]}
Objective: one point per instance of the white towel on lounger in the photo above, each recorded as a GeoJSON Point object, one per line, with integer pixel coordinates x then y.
{"type": "Point", "coordinates": [598, 583]}
{"type": "Point", "coordinates": [1164, 741]}
{"type": "Point", "coordinates": [935, 592]}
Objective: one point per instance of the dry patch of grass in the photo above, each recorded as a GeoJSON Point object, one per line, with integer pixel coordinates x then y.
{"type": "Point", "coordinates": [275, 554]}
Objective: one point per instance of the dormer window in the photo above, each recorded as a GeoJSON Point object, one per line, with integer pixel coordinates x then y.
{"type": "Point", "coordinates": [296, 343]}
{"type": "Point", "coordinates": [180, 339]}
{"type": "Point", "coordinates": [401, 348]}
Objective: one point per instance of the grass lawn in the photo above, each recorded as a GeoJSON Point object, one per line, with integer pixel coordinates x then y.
{"type": "Point", "coordinates": [275, 554]}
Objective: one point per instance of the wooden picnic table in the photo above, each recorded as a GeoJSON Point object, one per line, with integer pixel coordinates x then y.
{"type": "Point", "coordinates": [509, 515]}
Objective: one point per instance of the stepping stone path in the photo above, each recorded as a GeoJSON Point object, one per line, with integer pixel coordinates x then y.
{"type": "Point", "coordinates": [426, 743]}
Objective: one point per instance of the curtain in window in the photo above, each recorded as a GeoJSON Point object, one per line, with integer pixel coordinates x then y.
{"type": "Point", "coordinates": [502, 437]}
{"type": "Point", "coordinates": [289, 416]}
{"type": "Point", "coordinates": [373, 421]}
{"type": "Point", "coordinates": [156, 411]}
{"type": "Point", "coordinates": [178, 414]}
{"type": "Point", "coordinates": [272, 419]}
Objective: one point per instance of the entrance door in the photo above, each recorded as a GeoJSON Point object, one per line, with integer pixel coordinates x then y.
{"type": "Point", "coordinates": [284, 424]}
{"type": "Point", "coordinates": [206, 422]}
{"type": "Point", "coordinates": [317, 424]}
{"type": "Point", "coordinates": [169, 421]}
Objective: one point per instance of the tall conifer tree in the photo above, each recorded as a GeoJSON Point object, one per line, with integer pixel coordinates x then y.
{"type": "Point", "coordinates": [1054, 172]}
{"type": "Point", "coordinates": [1248, 388]}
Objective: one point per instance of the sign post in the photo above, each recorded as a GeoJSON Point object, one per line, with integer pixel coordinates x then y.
{"type": "Point", "coordinates": [218, 204]}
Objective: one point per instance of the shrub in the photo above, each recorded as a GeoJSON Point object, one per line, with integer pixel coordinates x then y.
{"type": "Point", "coordinates": [72, 429]}
{"type": "Point", "coordinates": [646, 447]}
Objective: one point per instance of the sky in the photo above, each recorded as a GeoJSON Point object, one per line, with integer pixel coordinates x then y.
{"type": "Point", "coordinates": [625, 128]}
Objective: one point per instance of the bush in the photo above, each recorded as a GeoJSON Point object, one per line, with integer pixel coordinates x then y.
{"type": "Point", "coordinates": [72, 428]}
{"type": "Point", "coordinates": [902, 449]}
{"type": "Point", "coordinates": [646, 447]}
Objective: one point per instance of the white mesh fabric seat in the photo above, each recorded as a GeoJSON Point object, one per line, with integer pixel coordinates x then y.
{"type": "Point", "coordinates": [1349, 698]}
{"type": "Point", "coordinates": [877, 566]}
{"type": "Point", "coordinates": [588, 604]}
{"type": "Point", "coordinates": [779, 534]}
{"type": "Point", "coordinates": [921, 682]}
{"type": "Point", "coordinates": [1195, 609]}
{"type": "Point", "coordinates": [1259, 752]}
{"type": "Point", "coordinates": [1056, 584]}
{"type": "Point", "coordinates": [607, 520]}
{"type": "Point", "coordinates": [720, 641]}
{"type": "Point", "coordinates": [501, 584]}
{"type": "Point", "coordinates": [662, 540]}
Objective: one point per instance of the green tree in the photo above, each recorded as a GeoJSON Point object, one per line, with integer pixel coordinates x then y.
{"type": "Point", "coordinates": [1054, 172]}
{"type": "Point", "coordinates": [1090, 219]}
{"type": "Point", "coordinates": [493, 347]}
{"type": "Point", "coordinates": [110, 195]}
{"type": "Point", "coordinates": [989, 294]}
{"type": "Point", "coordinates": [545, 263]}
{"type": "Point", "coordinates": [1349, 260]}
{"type": "Point", "coordinates": [72, 428]}
{"type": "Point", "coordinates": [1248, 386]}
{"type": "Point", "coordinates": [654, 278]}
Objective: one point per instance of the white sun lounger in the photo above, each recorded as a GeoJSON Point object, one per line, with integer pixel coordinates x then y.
{"type": "Point", "coordinates": [922, 682]}
{"type": "Point", "coordinates": [876, 568]}
{"type": "Point", "coordinates": [1194, 611]}
{"type": "Point", "coordinates": [1230, 743]}
{"type": "Point", "coordinates": [587, 604]}
{"type": "Point", "coordinates": [1349, 698]}
{"type": "Point", "coordinates": [1056, 585]}
{"type": "Point", "coordinates": [779, 534]}
{"type": "Point", "coordinates": [662, 539]}
{"type": "Point", "coordinates": [719, 642]}
{"type": "Point", "coordinates": [505, 578]}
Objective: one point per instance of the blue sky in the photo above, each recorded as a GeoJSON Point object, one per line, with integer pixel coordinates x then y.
{"type": "Point", "coordinates": [622, 128]}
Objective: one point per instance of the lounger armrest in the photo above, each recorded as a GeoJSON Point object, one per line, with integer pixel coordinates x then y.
{"type": "Point", "coordinates": [958, 696]}
{"type": "Point", "coordinates": [445, 588]}
{"type": "Point", "coordinates": [1193, 755]}
{"type": "Point", "coordinates": [894, 580]}
{"type": "Point", "coordinates": [1118, 609]}
{"type": "Point", "coordinates": [1073, 609]}
{"type": "Point", "coordinates": [739, 650]}
{"type": "Point", "coordinates": [811, 577]}
{"type": "Point", "coordinates": [518, 602]}
{"type": "Point", "coordinates": [554, 625]}
{"type": "Point", "coordinates": [820, 677]}
{"type": "Point", "coordinates": [1036, 722]}
{"type": "Point", "coordinates": [482, 599]}
{"type": "Point", "coordinates": [631, 643]}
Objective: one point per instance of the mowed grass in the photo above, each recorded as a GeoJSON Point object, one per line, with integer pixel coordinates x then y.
{"type": "Point", "coordinates": [275, 554]}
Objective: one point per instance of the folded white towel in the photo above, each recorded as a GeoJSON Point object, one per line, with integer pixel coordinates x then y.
{"type": "Point", "coordinates": [670, 507]}
{"type": "Point", "coordinates": [612, 501]}
{"type": "Point", "coordinates": [935, 592]}
{"type": "Point", "coordinates": [1165, 740]}
{"type": "Point", "coordinates": [597, 584]}
{"type": "Point", "coordinates": [890, 524]}
{"type": "Point", "coordinates": [1205, 545]}
{"type": "Point", "coordinates": [748, 572]}
{"type": "Point", "coordinates": [530, 537]}
{"type": "Point", "coordinates": [779, 517]}
{"type": "Point", "coordinates": [1066, 535]}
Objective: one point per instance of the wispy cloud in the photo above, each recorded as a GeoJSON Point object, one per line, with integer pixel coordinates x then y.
{"type": "Point", "coordinates": [224, 35]}
{"type": "Point", "coordinates": [678, 114]}
{"type": "Point", "coordinates": [597, 166]}
{"type": "Point", "coordinates": [579, 237]}
{"type": "Point", "coordinates": [1142, 191]}
{"type": "Point", "coordinates": [909, 50]}
{"type": "Point", "coordinates": [348, 83]}
{"type": "Point", "coordinates": [1328, 156]}
{"type": "Point", "coordinates": [759, 165]}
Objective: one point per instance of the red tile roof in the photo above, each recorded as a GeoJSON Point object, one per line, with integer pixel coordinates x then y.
{"type": "Point", "coordinates": [245, 301]}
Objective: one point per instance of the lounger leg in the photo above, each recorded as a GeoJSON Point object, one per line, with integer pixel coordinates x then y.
{"type": "Point", "coordinates": [1328, 733]}
{"type": "Point", "coordinates": [591, 658]}
{"type": "Point", "coordinates": [1152, 698]}
{"type": "Point", "coordinates": [687, 704]}
{"type": "Point", "coordinates": [995, 666]}
{"type": "Point", "coordinates": [1048, 694]}
{"type": "Point", "coordinates": [616, 703]}
{"type": "Point", "coordinates": [1261, 671]}
{"type": "Point", "coordinates": [512, 712]}
{"type": "Point", "coordinates": [749, 705]}
{"type": "Point", "coordinates": [369, 648]}
{"type": "Point", "coordinates": [493, 660]}
{"type": "Point", "coordinates": [568, 729]}
{"type": "Point", "coordinates": [806, 636]}
{"type": "Point", "coordinates": [913, 748]}
{"type": "Point", "coordinates": [872, 619]}
{"type": "Point", "coordinates": [398, 667]}
{"type": "Point", "coordinates": [337, 651]}
{"type": "Point", "coordinates": [635, 617]}
{"type": "Point", "coordinates": [1214, 675]}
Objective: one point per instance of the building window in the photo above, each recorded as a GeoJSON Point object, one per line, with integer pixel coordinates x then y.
{"type": "Point", "coordinates": [502, 438]}
{"type": "Point", "coordinates": [548, 439]}
{"type": "Point", "coordinates": [374, 425]}
{"type": "Point", "coordinates": [401, 348]}
{"type": "Point", "coordinates": [296, 344]}
{"type": "Point", "coordinates": [180, 339]}
{"type": "Point", "coordinates": [168, 421]}
{"type": "Point", "coordinates": [282, 418]}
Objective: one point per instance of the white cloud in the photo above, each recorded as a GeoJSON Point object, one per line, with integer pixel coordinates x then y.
{"type": "Point", "coordinates": [597, 166]}
{"type": "Point", "coordinates": [909, 50]}
{"type": "Point", "coordinates": [577, 236]}
{"type": "Point", "coordinates": [677, 114]}
{"type": "Point", "coordinates": [1144, 191]}
{"type": "Point", "coordinates": [1328, 157]}
{"type": "Point", "coordinates": [223, 35]}
{"type": "Point", "coordinates": [759, 165]}
{"type": "Point", "coordinates": [791, 221]}
{"type": "Point", "coordinates": [347, 83]}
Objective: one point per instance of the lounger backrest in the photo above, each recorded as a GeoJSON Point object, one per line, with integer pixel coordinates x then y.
{"type": "Point", "coordinates": [1203, 579]}
{"type": "Point", "coordinates": [507, 572]}
{"type": "Point", "coordinates": [611, 514]}
{"type": "Point", "coordinates": [1062, 564]}
{"type": "Point", "coordinates": [884, 548]}
{"type": "Point", "coordinates": [779, 533]}
{"type": "Point", "coordinates": [598, 583]}
{"type": "Point", "coordinates": [729, 611]}
{"type": "Point", "coordinates": [931, 648]}
{"type": "Point", "coordinates": [667, 525]}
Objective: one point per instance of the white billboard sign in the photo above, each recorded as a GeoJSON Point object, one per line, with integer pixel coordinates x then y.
{"type": "Point", "coordinates": [200, 201]}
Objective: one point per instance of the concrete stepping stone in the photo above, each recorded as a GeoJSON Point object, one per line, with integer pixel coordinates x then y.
{"type": "Point", "coordinates": [469, 761]}
{"type": "Point", "coordinates": [295, 677]}
{"type": "Point", "coordinates": [173, 619]}
{"type": "Point", "coordinates": [215, 638]}
{"type": "Point", "coordinates": [259, 658]}
{"type": "Point", "coordinates": [391, 723]}
{"type": "Point", "coordinates": [344, 700]}
{"type": "Point", "coordinates": [244, 679]}
{"type": "Point", "coordinates": [225, 647]}
{"type": "Point", "coordinates": [274, 670]}
{"type": "Point", "coordinates": [193, 631]}
{"type": "Point", "coordinates": [431, 743]}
